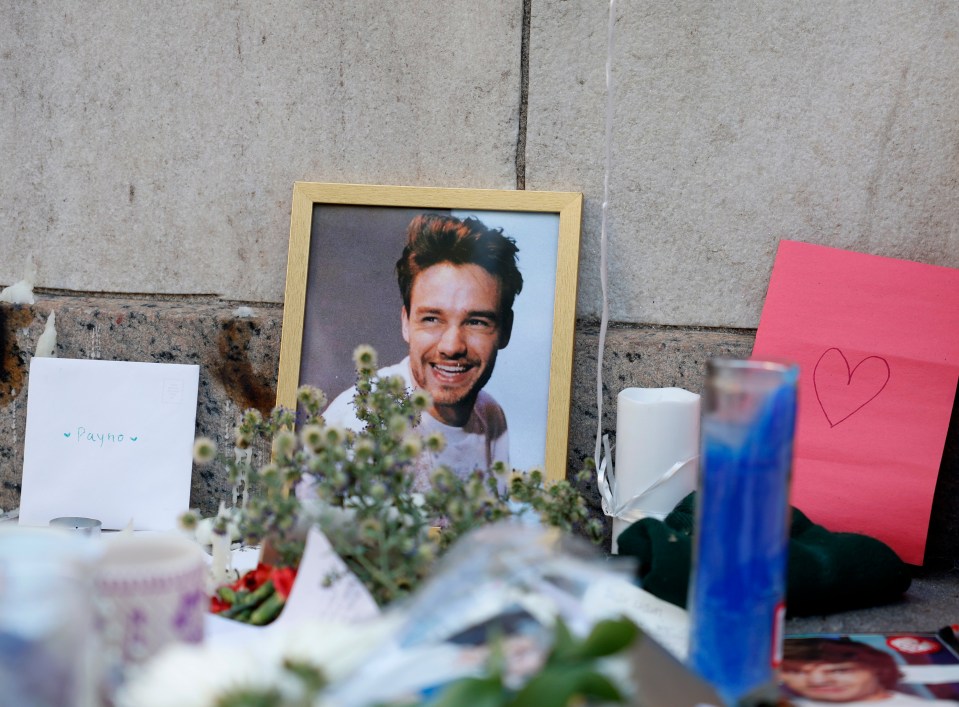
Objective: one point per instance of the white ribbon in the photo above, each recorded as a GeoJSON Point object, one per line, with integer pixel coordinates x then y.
{"type": "Point", "coordinates": [629, 510]}
{"type": "Point", "coordinates": [603, 238]}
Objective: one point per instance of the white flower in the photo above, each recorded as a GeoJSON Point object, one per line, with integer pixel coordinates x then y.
{"type": "Point", "coordinates": [196, 676]}
{"type": "Point", "coordinates": [199, 676]}
{"type": "Point", "coordinates": [337, 649]}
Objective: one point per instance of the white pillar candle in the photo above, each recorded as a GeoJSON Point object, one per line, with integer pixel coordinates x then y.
{"type": "Point", "coordinates": [657, 448]}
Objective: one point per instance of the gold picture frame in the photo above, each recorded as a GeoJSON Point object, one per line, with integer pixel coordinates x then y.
{"type": "Point", "coordinates": [334, 262]}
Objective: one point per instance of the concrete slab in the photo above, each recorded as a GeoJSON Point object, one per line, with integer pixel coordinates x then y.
{"type": "Point", "coordinates": [153, 148]}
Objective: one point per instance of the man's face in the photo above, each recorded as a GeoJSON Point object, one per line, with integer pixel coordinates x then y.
{"type": "Point", "coordinates": [832, 682]}
{"type": "Point", "coordinates": [454, 329]}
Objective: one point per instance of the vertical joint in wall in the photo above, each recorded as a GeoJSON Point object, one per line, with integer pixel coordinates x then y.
{"type": "Point", "coordinates": [523, 97]}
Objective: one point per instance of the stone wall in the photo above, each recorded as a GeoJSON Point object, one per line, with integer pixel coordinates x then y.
{"type": "Point", "coordinates": [150, 152]}
{"type": "Point", "coordinates": [153, 149]}
{"type": "Point", "coordinates": [238, 359]}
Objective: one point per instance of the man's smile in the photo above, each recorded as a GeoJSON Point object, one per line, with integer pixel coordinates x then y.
{"type": "Point", "coordinates": [450, 370]}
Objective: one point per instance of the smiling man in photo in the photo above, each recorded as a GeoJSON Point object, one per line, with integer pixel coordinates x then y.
{"type": "Point", "coordinates": [458, 280]}
{"type": "Point", "coordinates": [827, 671]}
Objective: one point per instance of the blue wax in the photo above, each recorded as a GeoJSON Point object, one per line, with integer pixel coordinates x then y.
{"type": "Point", "coordinates": [742, 534]}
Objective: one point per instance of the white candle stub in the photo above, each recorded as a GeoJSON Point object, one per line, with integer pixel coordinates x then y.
{"type": "Point", "coordinates": [47, 342]}
{"type": "Point", "coordinates": [656, 430]}
{"type": "Point", "coordinates": [21, 292]}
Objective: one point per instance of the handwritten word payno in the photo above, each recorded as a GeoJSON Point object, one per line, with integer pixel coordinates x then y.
{"type": "Point", "coordinates": [99, 438]}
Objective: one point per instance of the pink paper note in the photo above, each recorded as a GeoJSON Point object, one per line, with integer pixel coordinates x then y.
{"type": "Point", "coordinates": [877, 340]}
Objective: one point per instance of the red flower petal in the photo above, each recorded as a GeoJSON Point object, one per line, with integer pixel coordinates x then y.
{"type": "Point", "coordinates": [283, 578]}
{"type": "Point", "coordinates": [262, 573]}
{"type": "Point", "coordinates": [253, 579]}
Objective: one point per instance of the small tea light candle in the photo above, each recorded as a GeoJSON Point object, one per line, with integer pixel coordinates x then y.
{"type": "Point", "coordinates": [82, 526]}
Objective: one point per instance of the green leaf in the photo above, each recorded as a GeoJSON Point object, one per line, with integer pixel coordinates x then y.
{"type": "Point", "coordinates": [473, 692]}
{"type": "Point", "coordinates": [608, 637]}
{"type": "Point", "coordinates": [564, 643]}
{"type": "Point", "coordinates": [556, 686]}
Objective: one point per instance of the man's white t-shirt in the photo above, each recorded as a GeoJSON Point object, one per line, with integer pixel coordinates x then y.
{"type": "Point", "coordinates": [895, 699]}
{"type": "Point", "coordinates": [482, 441]}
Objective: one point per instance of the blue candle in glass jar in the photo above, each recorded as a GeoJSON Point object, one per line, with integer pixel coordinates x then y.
{"type": "Point", "coordinates": [737, 594]}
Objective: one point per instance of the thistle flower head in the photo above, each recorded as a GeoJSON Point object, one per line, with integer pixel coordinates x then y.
{"type": "Point", "coordinates": [284, 443]}
{"type": "Point", "coordinates": [364, 448]}
{"type": "Point", "coordinates": [312, 437]}
{"type": "Point", "coordinates": [338, 480]}
{"type": "Point", "coordinates": [334, 435]}
{"type": "Point", "coordinates": [394, 385]}
{"type": "Point", "coordinates": [310, 396]}
{"type": "Point", "coordinates": [442, 479]}
{"type": "Point", "coordinates": [398, 426]}
{"type": "Point", "coordinates": [252, 417]}
{"type": "Point", "coordinates": [242, 439]}
{"type": "Point", "coordinates": [282, 417]}
{"type": "Point", "coordinates": [364, 358]}
{"type": "Point", "coordinates": [435, 442]}
{"type": "Point", "coordinates": [420, 400]}
{"type": "Point", "coordinates": [412, 445]}
{"type": "Point", "coordinates": [426, 552]}
{"type": "Point", "coordinates": [378, 491]}
{"type": "Point", "coordinates": [270, 472]}
{"type": "Point", "coordinates": [369, 529]}
{"type": "Point", "coordinates": [204, 450]}
{"type": "Point", "coordinates": [188, 521]}
{"type": "Point", "coordinates": [594, 528]}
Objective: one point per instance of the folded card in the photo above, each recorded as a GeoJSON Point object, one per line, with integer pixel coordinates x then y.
{"type": "Point", "coordinates": [877, 340]}
{"type": "Point", "coordinates": [111, 440]}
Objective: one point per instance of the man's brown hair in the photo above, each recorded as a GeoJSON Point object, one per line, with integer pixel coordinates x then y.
{"type": "Point", "coordinates": [798, 652]}
{"type": "Point", "coordinates": [432, 239]}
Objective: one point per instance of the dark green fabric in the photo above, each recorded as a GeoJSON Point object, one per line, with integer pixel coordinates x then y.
{"type": "Point", "coordinates": [828, 572]}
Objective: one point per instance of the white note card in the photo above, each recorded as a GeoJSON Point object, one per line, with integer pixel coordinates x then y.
{"type": "Point", "coordinates": [325, 589]}
{"type": "Point", "coordinates": [110, 440]}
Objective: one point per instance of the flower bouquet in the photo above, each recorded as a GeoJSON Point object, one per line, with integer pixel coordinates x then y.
{"type": "Point", "coordinates": [358, 487]}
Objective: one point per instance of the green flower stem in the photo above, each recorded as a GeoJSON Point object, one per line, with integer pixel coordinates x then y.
{"type": "Point", "coordinates": [252, 601]}
{"type": "Point", "coordinates": [383, 544]}
{"type": "Point", "coordinates": [384, 579]}
{"type": "Point", "coordinates": [268, 610]}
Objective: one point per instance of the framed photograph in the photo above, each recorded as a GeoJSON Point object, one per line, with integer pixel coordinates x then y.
{"type": "Point", "coordinates": [468, 293]}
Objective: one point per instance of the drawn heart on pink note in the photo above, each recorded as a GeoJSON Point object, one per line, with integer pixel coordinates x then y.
{"type": "Point", "coordinates": [842, 391]}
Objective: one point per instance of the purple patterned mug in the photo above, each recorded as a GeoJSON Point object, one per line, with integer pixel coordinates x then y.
{"type": "Point", "coordinates": [150, 593]}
